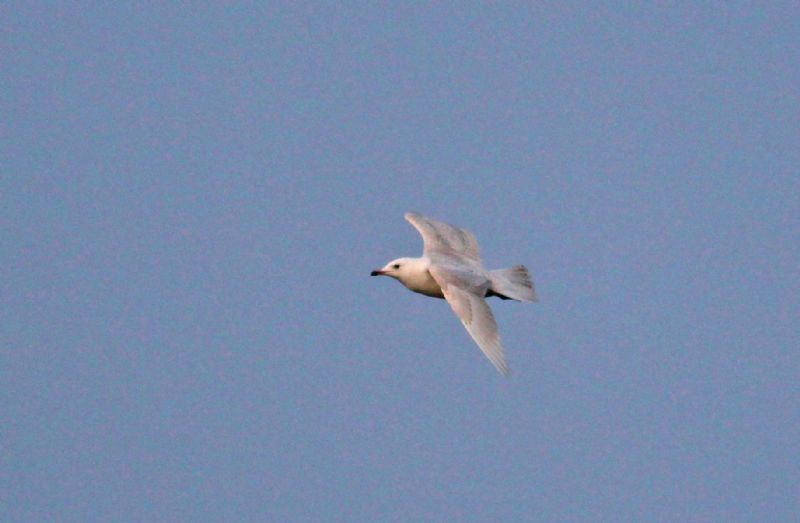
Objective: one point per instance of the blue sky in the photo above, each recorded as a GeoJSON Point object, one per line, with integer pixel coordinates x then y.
{"type": "Point", "coordinates": [194, 196]}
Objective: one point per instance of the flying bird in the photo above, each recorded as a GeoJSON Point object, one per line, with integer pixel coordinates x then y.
{"type": "Point", "coordinates": [451, 268]}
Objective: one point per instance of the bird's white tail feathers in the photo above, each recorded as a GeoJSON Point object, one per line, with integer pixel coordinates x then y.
{"type": "Point", "coordinates": [514, 283]}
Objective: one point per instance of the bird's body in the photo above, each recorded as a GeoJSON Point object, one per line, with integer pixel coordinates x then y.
{"type": "Point", "coordinates": [451, 268]}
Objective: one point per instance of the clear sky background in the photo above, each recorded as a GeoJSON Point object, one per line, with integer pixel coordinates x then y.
{"type": "Point", "coordinates": [193, 198]}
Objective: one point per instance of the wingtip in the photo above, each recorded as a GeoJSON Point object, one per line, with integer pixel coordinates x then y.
{"type": "Point", "coordinates": [500, 364]}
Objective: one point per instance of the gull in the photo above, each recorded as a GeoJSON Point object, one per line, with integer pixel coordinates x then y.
{"type": "Point", "coordinates": [451, 268]}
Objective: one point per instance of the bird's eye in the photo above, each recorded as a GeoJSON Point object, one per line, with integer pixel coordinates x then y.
{"type": "Point", "coordinates": [396, 266]}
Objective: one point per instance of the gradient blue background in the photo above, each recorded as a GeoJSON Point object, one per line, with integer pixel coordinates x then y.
{"type": "Point", "coordinates": [193, 198]}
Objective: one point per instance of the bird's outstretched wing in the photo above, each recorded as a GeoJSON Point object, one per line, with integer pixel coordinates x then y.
{"type": "Point", "coordinates": [465, 294]}
{"type": "Point", "coordinates": [440, 237]}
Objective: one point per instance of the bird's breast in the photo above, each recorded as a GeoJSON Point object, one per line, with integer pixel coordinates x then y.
{"type": "Point", "coordinates": [424, 283]}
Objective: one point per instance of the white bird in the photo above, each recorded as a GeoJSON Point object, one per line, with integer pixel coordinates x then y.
{"type": "Point", "coordinates": [451, 268]}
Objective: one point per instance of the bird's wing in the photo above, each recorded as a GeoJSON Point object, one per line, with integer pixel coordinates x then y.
{"type": "Point", "coordinates": [440, 237]}
{"type": "Point", "coordinates": [465, 294]}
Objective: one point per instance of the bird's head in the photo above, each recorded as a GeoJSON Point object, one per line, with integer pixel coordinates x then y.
{"type": "Point", "coordinates": [397, 269]}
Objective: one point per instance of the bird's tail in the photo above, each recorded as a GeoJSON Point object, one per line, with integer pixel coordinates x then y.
{"type": "Point", "coordinates": [512, 284]}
